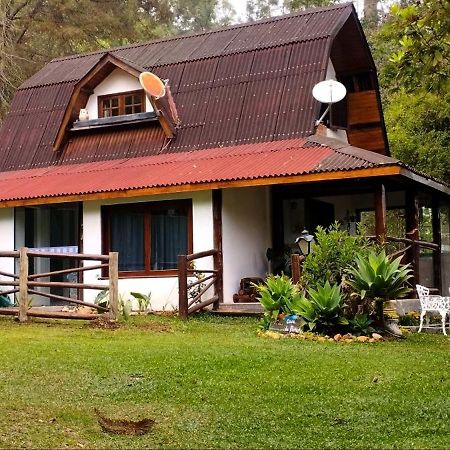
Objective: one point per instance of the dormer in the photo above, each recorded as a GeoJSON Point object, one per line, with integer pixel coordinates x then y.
{"type": "Point", "coordinates": [112, 96]}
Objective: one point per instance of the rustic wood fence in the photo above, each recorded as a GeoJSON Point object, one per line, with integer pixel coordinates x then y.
{"type": "Point", "coordinates": [189, 301]}
{"type": "Point", "coordinates": [25, 284]}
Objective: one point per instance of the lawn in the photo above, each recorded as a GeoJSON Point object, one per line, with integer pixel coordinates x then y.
{"type": "Point", "coordinates": [212, 383]}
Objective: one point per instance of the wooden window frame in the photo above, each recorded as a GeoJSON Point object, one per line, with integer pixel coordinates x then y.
{"type": "Point", "coordinates": [121, 97]}
{"type": "Point", "coordinates": [147, 208]}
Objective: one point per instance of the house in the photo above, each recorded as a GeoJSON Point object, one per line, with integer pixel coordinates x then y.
{"type": "Point", "coordinates": [234, 163]}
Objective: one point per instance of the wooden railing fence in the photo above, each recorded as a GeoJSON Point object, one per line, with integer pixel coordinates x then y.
{"type": "Point", "coordinates": [24, 283]}
{"type": "Point", "coordinates": [189, 301]}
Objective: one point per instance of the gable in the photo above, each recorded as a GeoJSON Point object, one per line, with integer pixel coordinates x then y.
{"type": "Point", "coordinates": [245, 84]}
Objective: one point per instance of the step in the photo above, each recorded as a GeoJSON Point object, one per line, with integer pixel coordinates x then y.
{"type": "Point", "coordinates": [239, 309]}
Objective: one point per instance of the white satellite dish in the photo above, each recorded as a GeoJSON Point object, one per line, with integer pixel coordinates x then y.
{"type": "Point", "coordinates": [328, 91]}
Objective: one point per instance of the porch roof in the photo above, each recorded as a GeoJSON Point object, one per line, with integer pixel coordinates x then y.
{"type": "Point", "coordinates": [288, 161]}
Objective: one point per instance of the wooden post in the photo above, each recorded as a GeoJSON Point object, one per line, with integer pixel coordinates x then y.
{"type": "Point", "coordinates": [182, 287]}
{"type": "Point", "coordinates": [296, 267]}
{"type": "Point", "coordinates": [380, 213]}
{"type": "Point", "coordinates": [23, 284]}
{"type": "Point", "coordinates": [218, 258]}
{"type": "Point", "coordinates": [412, 230]}
{"type": "Point", "coordinates": [113, 286]}
{"type": "Point", "coordinates": [437, 255]}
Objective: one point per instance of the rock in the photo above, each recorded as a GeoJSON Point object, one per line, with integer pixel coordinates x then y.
{"type": "Point", "coordinates": [330, 340]}
{"type": "Point", "coordinates": [337, 337]}
{"type": "Point", "coordinates": [347, 336]}
{"type": "Point", "coordinates": [372, 340]}
{"type": "Point", "coordinates": [347, 341]}
{"type": "Point", "coordinates": [362, 338]}
{"type": "Point", "coordinates": [377, 336]}
{"type": "Point", "coordinates": [321, 339]}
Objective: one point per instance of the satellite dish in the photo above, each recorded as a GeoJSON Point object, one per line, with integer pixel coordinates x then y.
{"type": "Point", "coordinates": [328, 91]}
{"type": "Point", "coordinates": [152, 84]}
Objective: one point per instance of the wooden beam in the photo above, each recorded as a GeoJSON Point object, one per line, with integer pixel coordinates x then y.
{"type": "Point", "coordinates": [412, 230]}
{"type": "Point", "coordinates": [194, 187]}
{"type": "Point", "coordinates": [218, 258]}
{"type": "Point", "coordinates": [437, 255]}
{"type": "Point", "coordinates": [23, 284]}
{"type": "Point", "coordinates": [113, 286]}
{"type": "Point", "coordinates": [182, 287]}
{"type": "Point", "coordinates": [380, 213]}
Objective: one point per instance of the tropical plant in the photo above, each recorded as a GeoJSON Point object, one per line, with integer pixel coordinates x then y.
{"type": "Point", "coordinates": [380, 279]}
{"type": "Point", "coordinates": [332, 252]}
{"type": "Point", "coordinates": [361, 325]}
{"type": "Point", "coordinates": [322, 311]}
{"type": "Point", "coordinates": [278, 295]}
{"type": "Point", "coordinates": [144, 301]}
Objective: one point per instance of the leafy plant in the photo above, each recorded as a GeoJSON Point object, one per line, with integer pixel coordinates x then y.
{"type": "Point", "coordinates": [361, 325]}
{"type": "Point", "coordinates": [380, 279]}
{"type": "Point", "coordinates": [144, 301]}
{"type": "Point", "coordinates": [332, 252]}
{"type": "Point", "coordinates": [278, 295]}
{"type": "Point", "coordinates": [323, 309]}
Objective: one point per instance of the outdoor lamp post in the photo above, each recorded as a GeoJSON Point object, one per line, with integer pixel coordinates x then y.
{"type": "Point", "coordinates": [304, 242]}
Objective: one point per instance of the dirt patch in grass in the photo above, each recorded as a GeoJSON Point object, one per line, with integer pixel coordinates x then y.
{"type": "Point", "coordinates": [155, 327]}
{"type": "Point", "coordinates": [103, 323]}
{"type": "Point", "coordinates": [123, 426]}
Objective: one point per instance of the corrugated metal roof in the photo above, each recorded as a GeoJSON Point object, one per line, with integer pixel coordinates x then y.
{"type": "Point", "coordinates": [243, 162]}
{"type": "Point", "coordinates": [247, 83]}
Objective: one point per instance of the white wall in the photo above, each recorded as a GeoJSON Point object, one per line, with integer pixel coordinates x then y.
{"type": "Point", "coordinates": [164, 290]}
{"type": "Point", "coordinates": [246, 234]}
{"type": "Point", "coordinates": [6, 243]}
{"type": "Point", "coordinates": [117, 81]}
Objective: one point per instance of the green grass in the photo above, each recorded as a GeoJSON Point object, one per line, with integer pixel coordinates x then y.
{"type": "Point", "coordinates": [212, 383]}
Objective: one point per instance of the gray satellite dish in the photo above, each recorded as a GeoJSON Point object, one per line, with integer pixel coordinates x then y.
{"type": "Point", "coordinates": [328, 91]}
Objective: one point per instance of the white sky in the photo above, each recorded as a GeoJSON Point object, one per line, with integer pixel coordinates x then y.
{"type": "Point", "coordinates": [240, 7]}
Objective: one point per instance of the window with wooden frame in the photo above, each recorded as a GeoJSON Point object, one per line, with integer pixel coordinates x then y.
{"type": "Point", "coordinates": [148, 236]}
{"type": "Point", "coordinates": [121, 104]}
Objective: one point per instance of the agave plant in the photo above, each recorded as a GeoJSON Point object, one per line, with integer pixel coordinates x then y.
{"type": "Point", "coordinates": [380, 279]}
{"type": "Point", "coordinates": [278, 295]}
{"type": "Point", "coordinates": [323, 309]}
{"type": "Point", "coordinates": [361, 325]}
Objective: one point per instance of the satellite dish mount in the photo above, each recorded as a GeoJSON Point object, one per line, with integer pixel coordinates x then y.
{"type": "Point", "coordinates": [328, 91]}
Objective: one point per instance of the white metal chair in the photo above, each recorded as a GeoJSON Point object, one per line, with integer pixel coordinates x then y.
{"type": "Point", "coordinates": [432, 303]}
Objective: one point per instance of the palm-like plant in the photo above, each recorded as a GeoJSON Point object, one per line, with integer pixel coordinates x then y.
{"type": "Point", "coordinates": [378, 278]}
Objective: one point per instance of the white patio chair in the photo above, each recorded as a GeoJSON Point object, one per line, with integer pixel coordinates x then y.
{"type": "Point", "coordinates": [432, 303]}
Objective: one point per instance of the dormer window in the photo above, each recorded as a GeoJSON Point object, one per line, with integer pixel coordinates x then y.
{"type": "Point", "coordinates": [121, 104]}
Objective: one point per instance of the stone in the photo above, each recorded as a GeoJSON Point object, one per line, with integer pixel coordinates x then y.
{"type": "Point", "coordinates": [347, 336]}
{"type": "Point", "coordinates": [372, 340]}
{"type": "Point", "coordinates": [377, 336]}
{"type": "Point", "coordinates": [348, 341]}
{"type": "Point", "coordinates": [362, 338]}
{"type": "Point", "coordinates": [330, 340]}
{"type": "Point", "coordinates": [337, 337]}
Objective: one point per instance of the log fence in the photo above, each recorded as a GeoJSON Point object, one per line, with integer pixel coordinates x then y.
{"type": "Point", "coordinates": [23, 284]}
{"type": "Point", "coordinates": [192, 301]}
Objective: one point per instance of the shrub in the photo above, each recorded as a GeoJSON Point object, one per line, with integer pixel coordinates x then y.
{"type": "Point", "coordinates": [379, 279]}
{"type": "Point", "coordinates": [332, 253]}
{"type": "Point", "coordinates": [361, 325]}
{"type": "Point", "coordinates": [278, 295]}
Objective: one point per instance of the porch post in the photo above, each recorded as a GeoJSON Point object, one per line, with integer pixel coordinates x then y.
{"type": "Point", "coordinates": [436, 221]}
{"type": "Point", "coordinates": [23, 284]}
{"type": "Point", "coordinates": [218, 258]}
{"type": "Point", "coordinates": [380, 213]}
{"type": "Point", "coordinates": [412, 231]}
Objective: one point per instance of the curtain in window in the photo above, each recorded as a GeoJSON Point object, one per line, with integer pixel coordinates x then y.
{"type": "Point", "coordinates": [127, 238]}
{"type": "Point", "coordinates": [169, 238]}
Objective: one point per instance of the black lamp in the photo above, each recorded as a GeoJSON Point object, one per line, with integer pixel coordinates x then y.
{"type": "Point", "coordinates": [304, 242]}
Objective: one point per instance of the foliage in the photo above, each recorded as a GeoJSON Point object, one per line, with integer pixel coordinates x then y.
{"type": "Point", "coordinates": [361, 325]}
{"type": "Point", "coordinates": [332, 252]}
{"type": "Point", "coordinates": [322, 309]}
{"type": "Point", "coordinates": [377, 277]}
{"type": "Point", "coordinates": [144, 301]}
{"type": "Point", "coordinates": [278, 295]}
{"type": "Point", "coordinates": [419, 130]}
{"type": "Point", "coordinates": [124, 304]}
{"type": "Point", "coordinates": [259, 9]}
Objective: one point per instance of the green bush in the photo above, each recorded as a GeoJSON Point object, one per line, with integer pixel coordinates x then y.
{"type": "Point", "coordinates": [322, 310]}
{"type": "Point", "coordinates": [278, 295]}
{"type": "Point", "coordinates": [333, 251]}
{"type": "Point", "coordinates": [361, 325]}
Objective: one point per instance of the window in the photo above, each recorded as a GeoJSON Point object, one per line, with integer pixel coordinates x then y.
{"type": "Point", "coordinates": [148, 236]}
{"type": "Point", "coordinates": [121, 104]}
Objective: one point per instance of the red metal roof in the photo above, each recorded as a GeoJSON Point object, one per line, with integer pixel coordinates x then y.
{"type": "Point", "coordinates": [243, 162]}
{"type": "Point", "coordinates": [244, 84]}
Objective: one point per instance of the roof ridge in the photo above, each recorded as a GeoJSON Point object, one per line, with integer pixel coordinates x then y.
{"type": "Point", "coordinates": [217, 30]}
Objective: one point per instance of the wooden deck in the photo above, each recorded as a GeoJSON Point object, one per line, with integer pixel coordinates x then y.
{"type": "Point", "coordinates": [239, 309]}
